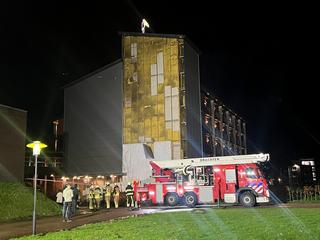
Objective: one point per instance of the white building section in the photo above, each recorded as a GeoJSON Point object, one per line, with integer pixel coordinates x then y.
{"type": "Point", "coordinates": [154, 80]}
{"type": "Point", "coordinates": [176, 149]}
{"type": "Point", "coordinates": [160, 67]}
{"type": "Point", "coordinates": [162, 150]}
{"type": "Point", "coordinates": [168, 107]}
{"type": "Point", "coordinates": [134, 50]}
{"type": "Point", "coordinates": [136, 161]}
{"type": "Point", "coordinates": [175, 109]}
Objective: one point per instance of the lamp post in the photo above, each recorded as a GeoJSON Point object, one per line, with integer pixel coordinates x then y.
{"type": "Point", "coordinates": [36, 149]}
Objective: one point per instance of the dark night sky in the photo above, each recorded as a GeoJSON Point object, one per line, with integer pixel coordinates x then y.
{"type": "Point", "coordinates": [256, 59]}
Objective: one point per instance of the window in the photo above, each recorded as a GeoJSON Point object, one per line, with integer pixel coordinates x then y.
{"type": "Point", "coordinates": [206, 119]}
{"type": "Point", "coordinates": [251, 173]}
{"type": "Point", "coordinates": [207, 138]}
{"type": "Point", "coordinates": [205, 101]}
{"type": "Point", "coordinates": [231, 176]}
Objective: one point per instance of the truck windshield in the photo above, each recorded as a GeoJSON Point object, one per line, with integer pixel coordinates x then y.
{"type": "Point", "coordinates": [252, 173]}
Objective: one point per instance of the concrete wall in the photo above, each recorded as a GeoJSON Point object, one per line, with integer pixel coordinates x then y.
{"type": "Point", "coordinates": [93, 123]}
{"type": "Point", "coordinates": [193, 114]}
{"type": "Point", "coordinates": [12, 143]}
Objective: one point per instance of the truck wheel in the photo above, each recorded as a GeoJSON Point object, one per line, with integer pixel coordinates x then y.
{"type": "Point", "coordinates": [190, 199]}
{"type": "Point", "coordinates": [146, 203]}
{"type": "Point", "coordinates": [247, 199]}
{"type": "Point", "coordinates": [172, 199]}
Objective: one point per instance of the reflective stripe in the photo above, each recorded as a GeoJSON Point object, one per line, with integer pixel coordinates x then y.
{"type": "Point", "coordinates": [129, 191]}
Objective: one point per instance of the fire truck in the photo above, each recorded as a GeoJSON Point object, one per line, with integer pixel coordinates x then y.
{"type": "Point", "coordinates": [232, 179]}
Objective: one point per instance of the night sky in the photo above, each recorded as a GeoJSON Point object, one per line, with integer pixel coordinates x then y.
{"type": "Point", "coordinates": [259, 60]}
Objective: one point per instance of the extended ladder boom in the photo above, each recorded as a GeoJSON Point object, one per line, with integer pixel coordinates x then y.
{"type": "Point", "coordinates": [211, 161]}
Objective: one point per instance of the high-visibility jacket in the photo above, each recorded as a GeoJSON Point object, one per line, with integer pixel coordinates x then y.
{"type": "Point", "coordinates": [97, 193]}
{"type": "Point", "coordinates": [129, 190]}
{"type": "Point", "coordinates": [91, 194]}
{"type": "Point", "coordinates": [108, 190]}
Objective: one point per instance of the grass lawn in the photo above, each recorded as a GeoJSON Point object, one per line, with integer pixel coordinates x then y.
{"type": "Point", "coordinates": [255, 223]}
{"type": "Point", "coordinates": [16, 202]}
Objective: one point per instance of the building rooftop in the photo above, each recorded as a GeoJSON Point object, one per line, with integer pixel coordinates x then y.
{"type": "Point", "coordinates": [92, 73]}
{"type": "Point", "coordinates": [162, 35]}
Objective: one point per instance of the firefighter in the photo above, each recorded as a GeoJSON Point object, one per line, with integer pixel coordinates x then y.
{"type": "Point", "coordinates": [116, 196]}
{"type": "Point", "coordinates": [108, 194]}
{"type": "Point", "coordinates": [91, 199]}
{"type": "Point", "coordinates": [129, 195]}
{"type": "Point", "coordinates": [97, 197]}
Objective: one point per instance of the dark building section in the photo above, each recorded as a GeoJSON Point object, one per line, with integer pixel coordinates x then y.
{"type": "Point", "coordinates": [223, 131]}
{"type": "Point", "coordinates": [13, 123]}
{"type": "Point", "coordinates": [303, 172]}
{"type": "Point", "coordinates": [93, 123]}
{"type": "Point", "coordinates": [192, 102]}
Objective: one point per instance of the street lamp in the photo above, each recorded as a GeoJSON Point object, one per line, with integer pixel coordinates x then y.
{"type": "Point", "coordinates": [36, 149]}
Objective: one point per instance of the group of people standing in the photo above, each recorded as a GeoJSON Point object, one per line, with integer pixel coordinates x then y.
{"type": "Point", "coordinates": [101, 197]}
{"type": "Point", "coordinates": [68, 198]}
{"type": "Point", "coordinates": [96, 196]}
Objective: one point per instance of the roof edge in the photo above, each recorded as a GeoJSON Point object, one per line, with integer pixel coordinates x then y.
{"type": "Point", "coordinates": [13, 108]}
{"type": "Point", "coordinates": [92, 73]}
{"type": "Point", "coordinates": [210, 93]}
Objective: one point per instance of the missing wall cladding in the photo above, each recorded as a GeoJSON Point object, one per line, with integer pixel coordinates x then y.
{"type": "Point", "coordinates": [158, 99]}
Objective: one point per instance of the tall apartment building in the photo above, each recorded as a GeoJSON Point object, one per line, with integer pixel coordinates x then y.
{"type": "Point", "coordinates": [161, 94]}
{"type": "Point", "coordinates": [149, 99]}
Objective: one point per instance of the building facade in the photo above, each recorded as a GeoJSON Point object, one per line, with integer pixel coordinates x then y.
{"type": "Point", "coordinates": [148, 105]}
{"type": "Point", "coordinates": [303, 172]}
{"type": "Point", "coordinates": [161, 95]}
{"type": "Point", "coordinates": [224, 131]}
{"type": "Point", "coordinates": [13, 123]}
{"type": "Point", "coordinates": [93, 123]}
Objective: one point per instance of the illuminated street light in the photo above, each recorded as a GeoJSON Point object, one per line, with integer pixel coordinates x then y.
{"type": "Point", "coordinates": [36, 149]}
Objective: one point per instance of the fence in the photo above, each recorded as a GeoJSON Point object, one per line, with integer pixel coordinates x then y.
{"type": "Point", "coordinates": [306, 193]}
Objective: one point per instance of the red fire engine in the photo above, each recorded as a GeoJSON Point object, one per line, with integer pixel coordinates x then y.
{"type": "Point", "coordinates": [195, 181]}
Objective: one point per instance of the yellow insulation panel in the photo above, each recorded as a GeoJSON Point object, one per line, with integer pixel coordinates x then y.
{"type": "Point", "coordinates": [150, 65]}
